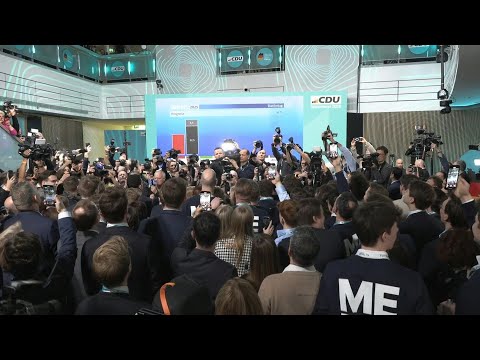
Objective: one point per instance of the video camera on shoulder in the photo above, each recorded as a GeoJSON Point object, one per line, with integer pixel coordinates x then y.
{"type": "Point", "coordinates": [20, 300]}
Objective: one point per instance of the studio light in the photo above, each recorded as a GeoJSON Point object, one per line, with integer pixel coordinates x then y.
{"type": "Point", "coordinates": [229, 145]}
{"type": "Point", "coordinates": [442, 94]}
{"type": "Point", "coordinates": [446, 110]}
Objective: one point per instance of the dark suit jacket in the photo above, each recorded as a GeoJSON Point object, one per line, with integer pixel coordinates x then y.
{"type": "Point", "coordinates": [110, 304]}
{"type": "Point", "coordinates": [331, 248]}
{"type": "Point", "coordinates": [192, 201]}
{"type": "Point", "coordinates": [166, 231]}
{"type": "Point", "coordinates": [204, 267]}
{"type": "Point", "coordinates": [45, 228]}
{"type": "Point", "coordinates": [422, 227]}
{"type": "Point", "coordinates": [394, 191]}
{"type": "Point", "coordinates": [139, 282]}
{"type": "Point", "coordinates": [78, 290]}
{"type": "Point", "coordinates": [55, 285]}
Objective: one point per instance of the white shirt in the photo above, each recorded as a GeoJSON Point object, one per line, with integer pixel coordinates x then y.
{"type": "Point", "coordinates": [372, 254]}
{"type": "Point", "coordinates": [292, 267]}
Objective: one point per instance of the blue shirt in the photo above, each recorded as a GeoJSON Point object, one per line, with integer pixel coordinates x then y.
{"type": "Point", "coordinates": [282, 234]}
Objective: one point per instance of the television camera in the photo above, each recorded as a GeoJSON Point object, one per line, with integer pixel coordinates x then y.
{"type": "Point", "coordinates": [422, 143]}
{"type": "Point", "coordinates": [38, 151]}
{"type": "Point", "coordinates": [14, 302]}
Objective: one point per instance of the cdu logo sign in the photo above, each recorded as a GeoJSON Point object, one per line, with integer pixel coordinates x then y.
{"type": "Point", "coordinates": [326, 101]}
{"type": "Point", "coordinates": [117, 69]}
{"type": "Point", "coordinates": [235, 58]}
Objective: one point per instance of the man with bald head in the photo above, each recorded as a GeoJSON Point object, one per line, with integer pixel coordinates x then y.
{"type": "Point", "coordinates": [208, 182]}
{"type": "Point", "coordinates": [399, 163]}
{"type": "Point", "coordinates": [244, 169]}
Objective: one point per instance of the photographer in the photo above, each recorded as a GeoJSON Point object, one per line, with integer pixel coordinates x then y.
{"type": "Point", "coordinates": [5, 122]}
{"type": "Point", "coordinates": [380, 169]}
{"type": "Point", "coordinates": [245, 170]}
{"type": "Point", "coordinates": [286, 163]}
{"type": "Point", "coordinates": [348, 161]}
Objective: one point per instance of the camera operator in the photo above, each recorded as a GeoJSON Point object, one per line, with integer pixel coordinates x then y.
{"type": "Point", "coordinates": [369, 149]}
{"type": "Point", "coordinates": [381, 169]}
{"type": "Point", "coordinates": [245, 170]}
{"type": "Point", "coordinates": [20, 259]}
{"type": "Point", "coordinates": [216, 165]}
{"type": "Point", "coordinates": [5, 122]}
{"type": "Point", "coordinates": [10, 111]}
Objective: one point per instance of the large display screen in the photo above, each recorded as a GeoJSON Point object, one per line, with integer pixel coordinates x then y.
{"type": "Point", "coordinates": [199, 123]}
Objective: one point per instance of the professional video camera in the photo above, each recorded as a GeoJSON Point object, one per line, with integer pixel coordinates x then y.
{"type": "Point", "coordinates": [369, 160]}
{"type": "Point", "coordinates": [8, 107]}
{"type": "Point", "coordinates": [173, 153]}
{"type": "Point", "coordinates": [13, 304]}
{"type": "Point", "coordinates": [38, 151]}
{"type": "Point", "coordinates": [277, 137]}
{"type": "Point", "coordinates": [423, 143]}
{"type": "Point", "coordinates": [193, 159]}
{"type": "Point", "coordinates": [204, 164]}
{"type": "Point", "coordinates": [316, 171]}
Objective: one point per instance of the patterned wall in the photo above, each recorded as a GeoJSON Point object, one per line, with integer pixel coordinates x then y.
{"type": "Point", "coordinates": [187, 69]}
{"type": "Point", "coordinates": [458, 130]}
{"type": "Point", "coordinates": [68, 132]}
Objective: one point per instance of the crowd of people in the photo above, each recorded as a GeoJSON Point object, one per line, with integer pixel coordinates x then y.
{"type": "Point", "coordinates": [237, 235]}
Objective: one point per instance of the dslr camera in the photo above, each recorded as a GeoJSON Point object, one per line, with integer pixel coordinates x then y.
{"type": "Point", "coordinates": [8, 107]}
{"type": "Point", "coordinates": [277, 137]}
{"type": "Point", "coordinates": [369, 161]}
{"type": "Point", "coordinates": [258, 144]}
{"type": "Point", "coordinates": [328, 132]}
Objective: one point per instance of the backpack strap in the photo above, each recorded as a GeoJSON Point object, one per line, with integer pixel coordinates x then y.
{"type": "Point", "coordinates": [163, 297]}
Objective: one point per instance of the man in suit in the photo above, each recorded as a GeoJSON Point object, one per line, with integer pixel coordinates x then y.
{"type": "Point", "coordinates": [113, 207]}
{"type": "Point", "coordinates": [166, 230]}
{"type": "Point", "coordinates": [201, 263]}
{"type": "Point", "coordinates": [405, 181]}
{"type": "Point", "coordinates": [310, 213]}
{"type": "Point", "coordinates": [394, 187]}
{"type": "Point", "coordinates": [85, 215]}
{"type": "Point", "coordinates": [27, 201]}
{"type": "Point", "coordinates": [293, 292]}
{"type": "Point", "coordinates": [112, 266]}
{"type": "Point", "coordinates": [208, 181]}
{"type": "Point", "coordinates": [21, 260]}
{"type": "Point", "coordinates": [422, 227]}
{"type": "Point", "coordinates": [344, 207]}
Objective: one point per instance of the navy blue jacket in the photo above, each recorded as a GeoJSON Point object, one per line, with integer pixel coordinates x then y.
{"type": "Point", "coordinates": [468, 298]}
{"type": "Point", "coordinates": [139, 282]}
{"type": "Point", "coordinates": [166, 231]}
{"type": "Point", "coordinates": [386, 287]}
{"type": "Point", "coordinates": [56, 285]}
{"type": "Point", "coordinates": [45, 228]}
{"type": "Point", "coordinates": [204, 267]}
